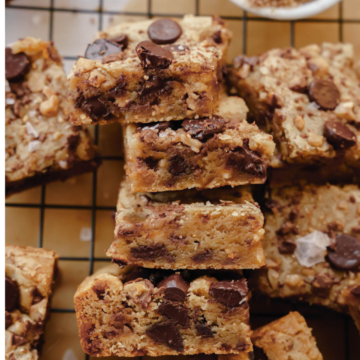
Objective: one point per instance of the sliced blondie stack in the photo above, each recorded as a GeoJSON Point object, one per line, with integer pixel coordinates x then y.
{"type": "Point", "coordinates": [183, 214]}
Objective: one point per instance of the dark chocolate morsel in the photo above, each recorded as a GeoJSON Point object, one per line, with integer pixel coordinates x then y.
{"type": "Point", "coordinates": [137, 273]}
{"type": "Point", "coordinates": [325, 93]}
{"type": "Point", "coordinates": [16, 65]}
{"type": "Point", "coordinates": [36, 295]}
{"type": "Point", "coordinates": [149, 252]}
{"type": "Point", "coordinates": [175, 287]}
{"type": "Point", "coordinates": [166, 333]}
{"type": "Point", "coordinates": [8, 319]}
{"type": "Point", "coordinates": [164, 31]}
{"type": "Point", "coordinates": [339, 135]}
{"type": "Point", "coordinates": [121, 40]}
{"type": "Point", "coordinates": [204, 330]}
{"type": "Point", "coordinates": [177, 313]}
{"type": "Point", "coordinates": [176, 47]}
{"type": "Point", "coordinates": [94, 107]}
{"type": "Point", "coordinates": [178, 165]}
{"type": "Point", "coordinates": [229, 293]}
{"type": "Point", "coordinates": [18, 340]}
{"type": "Point", "coordinates": [12, 294]}
{"type": "Point", "coordinates": [287, 247]}
{"type": "Point", "coordinates": [217, 37]}
{"type": "Point", "coordinates": [345, 255]}
{"type": "Point", "coordinates": [153, 56]}
{"type": "Point", "coordinates": [356, 291]}
{"type": "Point", "coordinates": [203, 129]}
{"type": "Point", "coordinates": [101, 47]}
{"type": "Point", "coordinates": [321, 285]}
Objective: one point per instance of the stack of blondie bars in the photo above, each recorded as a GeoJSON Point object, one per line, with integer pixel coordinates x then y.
{"type": "Point", "coordinates": [185, 224]}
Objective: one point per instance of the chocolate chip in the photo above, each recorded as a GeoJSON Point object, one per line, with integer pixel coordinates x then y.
{"type": "Point", "coordinates": [339, 135]}
{"type": "Point", "coordinates": [99, 290]}
{"type": "Point", "coordinates": [166, 333]}
{"type": "Point", "coordinates": [136, 273]}
{"type": "Point", "coordinates": [8, 319]}
{"type": "Point", "coordinates": [151, 89]}
{"type": "Point", "coordinates": [18, 340]}
{"type": "Point", "coordinates": [177, 313]}
{"type": "Point", "coordinates": [149, 252]}
{"type": "Point", "coordinates": [16, 65]}
{"type": "Point", "coordinates": [286, 247]}
{"type": "Point", "coordinates": [101, 47]}
{"type": "Point", "coordinates": [243, 159]}
{"type": "Point", "coordinates": [346, 253]}
{"type": "Point", "coordinates": [36, 295]}
{"type": "Point", "coordinates": [177, 48]}
{"type": "Point", "coordinates": [259, 353]}
{"type": "Point", "coordinates": [94, 107]}
{"type": "Point", "coordinates": [151, 162]}
{"type": "Point", "coordinates": [217, 37]}
{"type": "Point", "coordinates": [202, 256]}
{"type": "Point", "coordinates": [204, 330]}
{"type": "Point", "coordinates": [321, 285]}
{"type": "Point", "coordinates": [12, 294]}
{"type": "Point", "coordinates": [204, 129]}
{"type": "Point", "coordinates": [229, 293]}
{"type": "Point", "coordinates": [178, 165]}
{"type": "Point", "coordinates": [325, 93]}
{"type": "Point", "coordinates": [164, 31]}
{"type": "Point", "coordinates": [153, 56]}
{"type": "Point", "coordinates": [121, 40]}
{"type": "Point", "coordinates": [356, 291]}
{"type": "Point", "coordinates": [175, 287]}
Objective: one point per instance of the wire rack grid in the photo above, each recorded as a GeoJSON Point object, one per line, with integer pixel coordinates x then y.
{"type": "Point", "coordinates": [262, 310]}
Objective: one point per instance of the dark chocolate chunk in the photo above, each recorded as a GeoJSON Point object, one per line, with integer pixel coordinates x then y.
{"type": "Point", "coordinates": [246, 160]}
{"type": "Point", "coordinates": [8, 319]}
{"type": "Point", "coordinates": [178, 165]}
{"type": "Point", "coordinates": [177, 313]}
{"type": "Point", "coordinates": [149, 252]}
{"type": "Point", "coordinates": [356, 291]}
{"type": "Point", "coordinates": [151, 162]}
{"type": "Point", "coordinates": [259, 353]}
{"type": "Point", "coordinates": [229, 293]}
{"type": "Point", "coordinates": [18, 340]}
{"type": "Point", "coordinates": [153, 56]}
{"type": "Point", "coordinates": [287, 247]}
{"type": "Point", "coordinates": [121, 40]}
{"type": "Point", "coordinates": [136, 274]}
{"type": "Point", "coordinates": [339, 135]}
{"type": "Point", "coordinates": [175, 287]}
{"type": "Point", "coordinates": [16, 65]}
{"type": "Point", "coordinates": [99, 290]}
{"type": "Point", "coordinates": [204, 129]}
{"type": "Point", "coordinates": [36, 295]}
{"type": "Point", "coordinates": [177, 48]}
{"type": "Point", "coordinates": [164, 31]}
{"type": "Point", "coordinates": [321, 285]}
{"type": "Point", "coordinates": [94, 107]}
{"type": "Point", "coordinates": [12, 294]}
{"type": "Point", "coordinates": [151, 89]}
{"type": "Point", "coordinates": [101, 47]}
{"type": "Point", "coordinates": [345, 255]}
{"type": "Point", "coordinates": [202, 256]}
{"type": "Point", "coordinates": [119, 262]}
{"type": "Point", "coordinates": [203, 330]}
{"type": "Point", "coordinates": [166, 333]}
{"type": "Point", "coordinates": [217, 37]}
{"type": "Point", "coordinates": [325, 93]}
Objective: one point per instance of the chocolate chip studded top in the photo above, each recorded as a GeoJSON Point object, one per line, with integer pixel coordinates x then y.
{"type": "Point", "coordinates": [12, 294]}
{"type": "Point", "coordinates": [164, 31]}
{"type": "Point", "coordinates": [229, 293]}
{"type": "Point", "coordinates": [101, 47]}
{"type": "Point", "coordinates": [153, 56]}
{"type": "Point", "coordinates": [325, 93]}
{"type": "Point", "coordinates": [175, 287]}
{"type": "Point", "coordinates": [339, 135]}
{"type": "Point", "coordinates": [16, 65]}
{"type": "Point", "coordinates": [346, 253]}
{"type": "Point", "coordinates": [203, 129]}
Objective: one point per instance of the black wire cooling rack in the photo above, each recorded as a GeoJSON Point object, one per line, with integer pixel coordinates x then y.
{"type": "Point", "coordinates": [263, 309]}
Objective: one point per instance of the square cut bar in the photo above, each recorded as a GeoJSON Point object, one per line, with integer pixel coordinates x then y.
{"type": "Point", "coordinates": [41, 145]}
{"type": "Point", "coordinates": [309, 99]}
{"type": "Point", "coordinates": [189, 229]}
{"type": "Point", "coordinates": [311, 244]}
{"type": "Point", "coordinates": [203, 153]}
{"type": "Point", "coordinates": [135, 311]}
{"type": "Point", "coordinates": [171, 75]}
{"type": "Point", "coordinates": [29, 274]}
{"type": "Point", "coordinates": [286, 338]}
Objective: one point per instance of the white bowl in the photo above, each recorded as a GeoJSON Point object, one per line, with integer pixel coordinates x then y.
{"type": "Point", "coordinates": [288, 13]}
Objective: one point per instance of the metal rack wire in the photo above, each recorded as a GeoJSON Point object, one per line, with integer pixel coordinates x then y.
{"type": "Point", "coordinates": [42, 206]}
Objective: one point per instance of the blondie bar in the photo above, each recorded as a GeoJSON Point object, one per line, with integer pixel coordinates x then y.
{"type": "Point", "coordinates": [309, 99]}
{"type": "Point", "coordinates": [218, 229]}
{"type": "Point", "coordinates": [29, 274]}
{"type": "Point", "coordinates": [136, 311]}
{"type": "Point", "coordinates": [200, 153]}
{"type": "Point", "coordinates": [286, 338]}
{"type": "Point", "coordinates": [41, 145]}
{"type": "Point", "coordinates": [312, 244]}
{"type": "Point", "coordinates": [153, 70]}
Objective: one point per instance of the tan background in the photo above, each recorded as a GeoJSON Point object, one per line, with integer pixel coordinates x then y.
{"type": "Point", "coordinates": [72, 205]}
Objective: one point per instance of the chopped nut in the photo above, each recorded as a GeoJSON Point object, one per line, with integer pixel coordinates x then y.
{"type": "Point", "coordinates": [293, 280]}
{"type": "Point", "coordinates": [345, 110]}
{"type": "Point", "coordinates": [36, 81]}
{"type": "Point", "coordinates": [50, 106]}
{"type": "Point", "coordinates": [84, 65]}
{"type": "Point", "coordinates": [319, 66]}
{"type": "Point", "coordinates": [299, 122]}
{"type": "Point", "coordinates": [140, 291]}
{"type": "Point", "coordinates": [57, 135]}
{"type": "Point", "coordinates": [342, 205]}
{"type": "Point", "coordinates": [48, 92]}
{"type": "Point", "coordinates": [96, 78]}
{"type": "Point", "coordinates": [315, 140]}
{"type": "Point", "coordinates": [273, 277]}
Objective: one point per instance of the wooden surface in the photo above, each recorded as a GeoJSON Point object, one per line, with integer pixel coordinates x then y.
{"type": "Point", "coordinates": [71, 31]}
